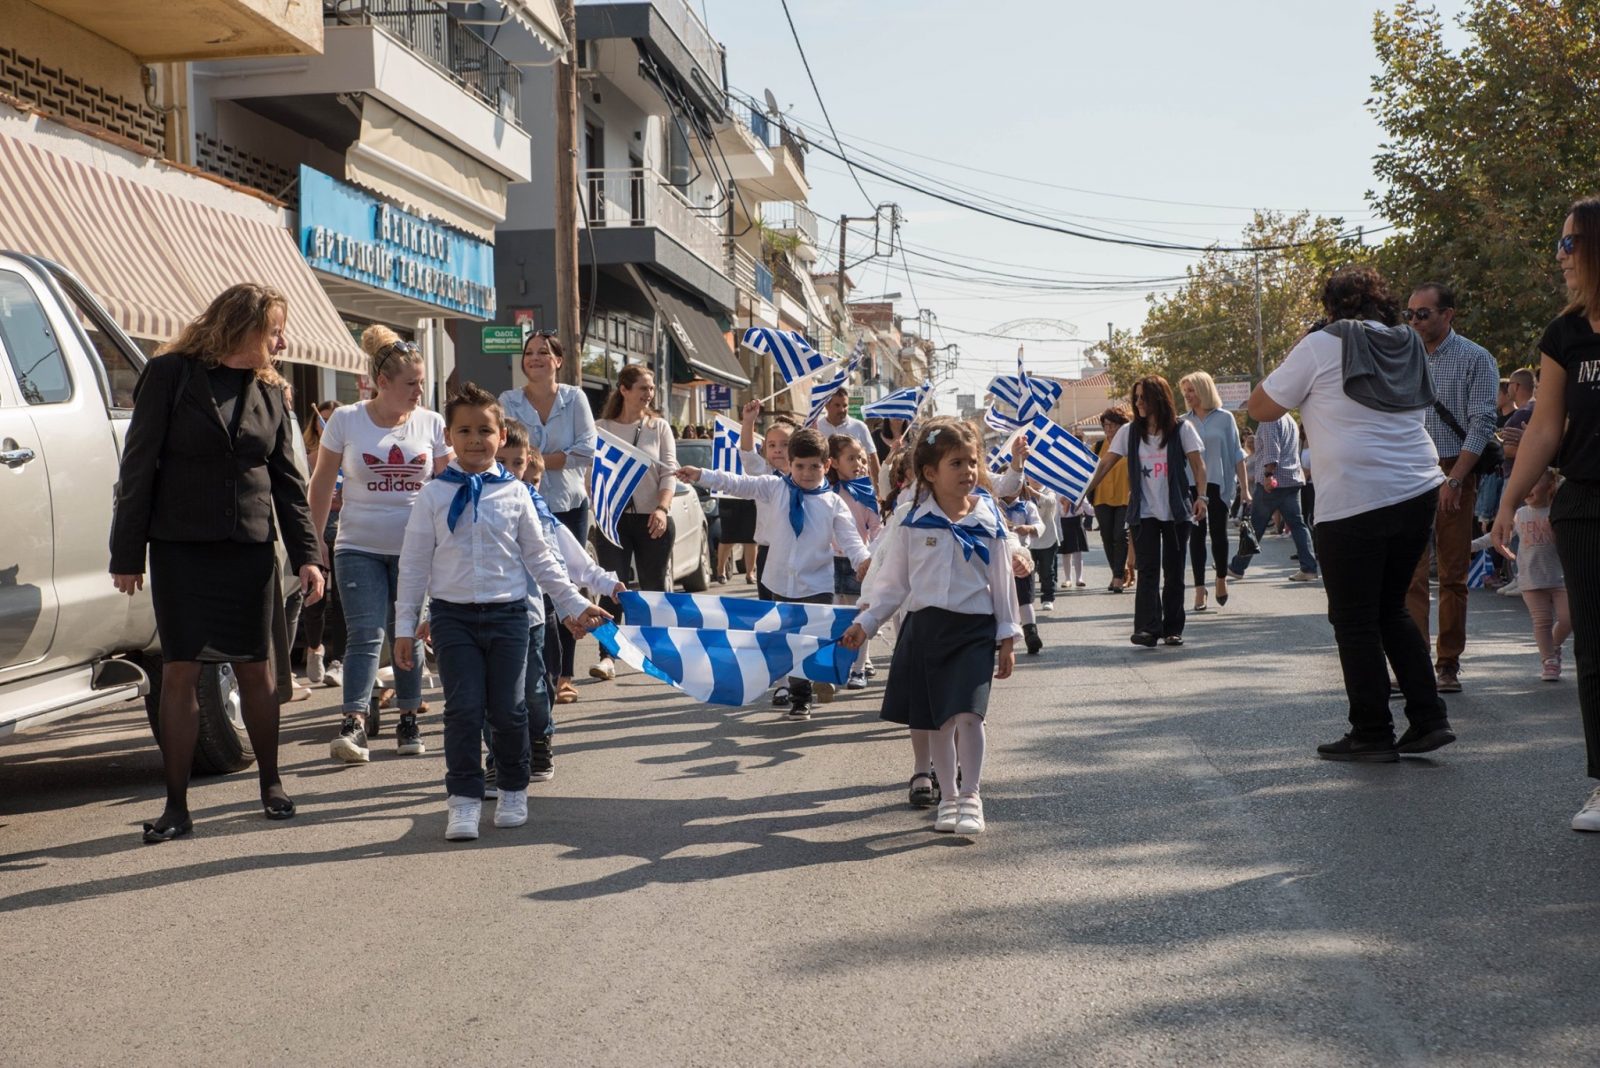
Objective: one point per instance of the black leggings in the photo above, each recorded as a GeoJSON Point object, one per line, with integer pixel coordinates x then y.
{"type": "Point", "coordinates": [1217, 520]}
{"type": "Point", "coordinates": [1113, 520]}
{"type": "Point", "coordinates": [640, 557]}
{"type": "Point", "coordinates": [1575, 517]}
{"type": "Point", "coordinates": [577, 521]}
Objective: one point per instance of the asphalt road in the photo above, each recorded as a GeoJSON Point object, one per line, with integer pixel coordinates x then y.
{"type": "Point", "coordinates": [1169, 877]}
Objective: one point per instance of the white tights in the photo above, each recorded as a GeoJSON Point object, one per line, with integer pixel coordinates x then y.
{"type": "Point", "coordinates": [960, 742]}
{"type": "Point", "coordinates": [1552, 621]}
{"type": "Point", "coordinates": [1074, 569]}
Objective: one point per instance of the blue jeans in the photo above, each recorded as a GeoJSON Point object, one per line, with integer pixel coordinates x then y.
{"type": "Point", "coordinates": [535, 690]}
{"type": "Point", "coordinates": [367, 591]}
{"type": "Point", "coordinates": [1285, 499]}
{"type": "Point", "coordinates": [483, 655]}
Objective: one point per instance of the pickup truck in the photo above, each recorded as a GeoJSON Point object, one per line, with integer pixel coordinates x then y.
{"type": "Point", "coordinates": [69, 642]}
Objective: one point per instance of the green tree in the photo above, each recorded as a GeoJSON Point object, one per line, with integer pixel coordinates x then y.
{"type": "Point", "coordinates": [1485, 148]}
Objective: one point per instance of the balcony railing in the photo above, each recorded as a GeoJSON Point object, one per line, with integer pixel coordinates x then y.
{"type": "Point", "coordinates": [764, 129]}
{"type": "Point", "coordinates": [748, 274]}
{"type": "Point", "coordinates": [796, 147]}
{"type": "Point", "coordinates": [440, 38]}
{"type": "Point", "coordinates": [636, 196]}
{"type": "Point", "coordinates": [695, 37]}
{"type": "Point", "coordinates": [791, 216]}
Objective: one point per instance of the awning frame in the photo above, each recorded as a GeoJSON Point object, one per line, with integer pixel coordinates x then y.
{"type": "Point", "coordinates": [662, 299]}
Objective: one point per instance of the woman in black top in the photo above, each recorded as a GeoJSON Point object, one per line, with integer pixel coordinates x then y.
{"type": "Point", "coordinates": [1565, 428]}
{"type": "Point", "coordinates": [207, 481]}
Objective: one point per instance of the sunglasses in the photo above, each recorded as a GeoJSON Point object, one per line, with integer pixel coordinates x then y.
{"type": "Point", "coordinates": [1566, 244]}
{"type": "Point", "coordinates": [1421, 315]}
{"type": "Point", "coordinates": [396, 349]}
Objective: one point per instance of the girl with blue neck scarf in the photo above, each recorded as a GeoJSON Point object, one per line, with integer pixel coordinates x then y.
{"type": "Point", "coordinates": [850, 477]}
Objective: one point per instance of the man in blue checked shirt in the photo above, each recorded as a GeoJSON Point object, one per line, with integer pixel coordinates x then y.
{"type": "Point", "coordinates": [1466, 379]}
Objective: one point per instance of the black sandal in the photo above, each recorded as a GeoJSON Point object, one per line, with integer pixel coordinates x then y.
{"type": "Point", "coordinates": [278, 808]}
{"type": "Point", "coordinates": [924, 796]}
{"type": "Point", "coordinates": [155, 833]}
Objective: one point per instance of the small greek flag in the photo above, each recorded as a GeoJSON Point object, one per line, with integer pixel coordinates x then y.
{"type": "Point", "coordinates": [901, 404]}
{"type": "Point", "coordinates": [993, 417]}
{"type": "Point", "coordinates": [822, 392]}
{"type": "Point", "coordinates": [999, 457]}
{"type": "Point", "coordinates": [1482, 567]}
{"type": "Point", "coordinates": [728, 650]}
{"type": "Point", "coordinates": [1057, 460]}
{"type": "Point", "coordinates": [618, 467]}
{"type": "Point", "coordinates": [790, 351]}
{"type": "Point", "coordinates": [725, 444]}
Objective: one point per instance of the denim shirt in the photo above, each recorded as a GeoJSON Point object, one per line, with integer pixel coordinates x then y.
{"type": "Point", "coordinates": [570, 430]}
{"type": "Point", "coordinates": [1219, 432]}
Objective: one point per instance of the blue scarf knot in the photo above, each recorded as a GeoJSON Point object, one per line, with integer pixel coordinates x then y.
{"type": "Point", "coordinates": [860, 491]}
{"type": "Point", "coordinates": [797, 502]}
{"type": "Point", "coordinates": [470, 488]}
{"type": "Point", "coordinates": [970, 538]}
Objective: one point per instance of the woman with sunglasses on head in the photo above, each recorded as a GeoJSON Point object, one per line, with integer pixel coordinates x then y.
{"type": "Point", "coordinates": [386, 447]}
{"type": "Point", "coordinates": [561, 429]}
{"type": "Point", "coordinates": [1565, 431]}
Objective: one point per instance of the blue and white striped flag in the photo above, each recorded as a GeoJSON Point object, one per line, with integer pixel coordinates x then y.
{"type": "Point", "coordinates": [618, 467]}
{"type": "Point", "coordinates": [789, 349]}
{"type": "Point", "coordinates": [999, 457]}
{"type": "Point", "coordinates": [998, 420]}
{"type": "Point", "coordinates": [1025, 395]}
{"type": "Point", "coordinates": [1057, 460]}
{"type": "Point", "coordinates": [822, 392]}
{"type": "Point", "coordinates": [901, 404]}
{"type": "Point", "coordinates": [725, 443]}
{"type": "Point", "coordinates": [728, 650]}
{"type": "Point", "coordinates": [1482, 567]}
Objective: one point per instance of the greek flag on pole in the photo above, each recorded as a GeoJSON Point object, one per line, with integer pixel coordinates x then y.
{"type": "Point", "coordinates": [1057, 460]}
{"type": "Point", "coordinates": [999, 457]}
{"type": "Point", "coordinates": [1025, 395]}
{"type": "Point", "coordinates": [822, 391]}
{"type": "Point", "coordinates": [728, 650]}
{"type": "Point", "coordinates": [617, 470]}
{"type": "Point", "coordinates": [725, 449]}
{"type": "Point", "coordinates": [790, 351]}
{"type": "Point", "coordinates": [995, 418]}
{"type": "Point", "coordinates": [901, 404]}
{"type": "Point", "coordinates": [1482, 567]}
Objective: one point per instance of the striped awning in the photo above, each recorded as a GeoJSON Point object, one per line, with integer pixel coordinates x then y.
{"type": "Point", "coordinates": [156, 260]}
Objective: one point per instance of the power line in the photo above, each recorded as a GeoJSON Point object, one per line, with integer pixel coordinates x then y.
{"type": "Point", "coordinates": [806, 63]}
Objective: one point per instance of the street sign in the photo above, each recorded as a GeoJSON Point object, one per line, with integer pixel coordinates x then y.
{"type": "Point", "coordinates": [502, 341]}
{"type": "Point", "coordinates": [719, 398]}
{"type": "Point", "coordinates": [1234, 391]}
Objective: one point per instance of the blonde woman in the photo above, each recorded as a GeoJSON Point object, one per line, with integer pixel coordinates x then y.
{"type": "Point", "coordinates": [1219, 432]}
{"type": "Point", "coordinates": [210, 417]}
{"type": "Point", "coordinates": [386, 447]}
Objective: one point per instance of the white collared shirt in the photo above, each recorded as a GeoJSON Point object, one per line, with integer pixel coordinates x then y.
{"type": "Point", "coordinates": [797, 566]}
{"type": "Point", "coordinates": [756, 464]}
{"type": "Point", "coordinates": [926, 569]}
{"type": "Point", "coordinates": [582, 571]}
{"type": "Point", "coordinates": [482, 561]}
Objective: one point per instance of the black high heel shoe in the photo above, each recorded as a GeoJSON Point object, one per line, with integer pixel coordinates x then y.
{"type": "Point", "coordinates": [158, 832]}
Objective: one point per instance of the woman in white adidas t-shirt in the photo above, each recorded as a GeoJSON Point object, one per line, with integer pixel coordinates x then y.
{"type": "Point", "coordinates": [385, 448]}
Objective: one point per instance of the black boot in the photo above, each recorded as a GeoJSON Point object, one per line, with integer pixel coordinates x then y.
{"type": "Point", "coordinates": [1030, 635]}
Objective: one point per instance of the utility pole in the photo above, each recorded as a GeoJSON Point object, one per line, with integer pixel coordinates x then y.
{"type": "Point", "coordinates": [568, 316]}
{"type": "Point", "coordinates": [1261, 345]}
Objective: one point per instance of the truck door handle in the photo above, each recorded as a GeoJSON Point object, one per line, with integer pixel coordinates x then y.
{"type": "Point", "coordinates": [15, 458]}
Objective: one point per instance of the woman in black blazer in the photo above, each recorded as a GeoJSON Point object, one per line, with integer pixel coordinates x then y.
{"type": "Point", "coordinates": [207, 481]}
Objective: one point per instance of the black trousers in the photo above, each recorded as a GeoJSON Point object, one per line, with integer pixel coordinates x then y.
{"type": "Point", "coordinates": [1044, 566]}
{"type": "Point", "coordinates": [1308, 506]}
{"type": "Point", "coordinates": [1158, 599]}
{"type": "Point", "coordinates": [577, 521]}
{"type": "Point", "coordinates": [1217, 524]}
{"type": "Point", "coordinates": [1575, 518]}
{"type": "Point", "coordinates": [1113, 521]}
{"type": "Point", "coordinates": [762, 593]}
{"type": "Point", "coordinates": [1367, 563]}
{"type": "Point", "coordinates": [639, 558]}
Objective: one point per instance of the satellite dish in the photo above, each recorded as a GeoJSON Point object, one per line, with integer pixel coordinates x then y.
{"type": "Point", "coordinates": [772, 102]}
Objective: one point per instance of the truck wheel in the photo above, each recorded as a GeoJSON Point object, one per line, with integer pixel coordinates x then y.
{"type": "Point", "coordinates": [699, 580]}
{"type": "Point", "coordinates": [224, 745]}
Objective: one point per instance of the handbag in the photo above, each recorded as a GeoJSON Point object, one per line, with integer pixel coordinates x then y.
{"type": "Point", "coordinates": [1493, 455]}
{"type": "Point", "coordinates": [1249, 544]}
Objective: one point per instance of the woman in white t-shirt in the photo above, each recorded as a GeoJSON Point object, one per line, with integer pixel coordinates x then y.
{"type": "Point", "coordinates": [385, 448]}
{"type": "Point", "coordinates": [1157, 444]}
{"type": "Point", "coordinates": [1362, 386]}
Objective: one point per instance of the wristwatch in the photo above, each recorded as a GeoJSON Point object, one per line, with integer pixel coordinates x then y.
{"type": "Point", "coordinates": [1453, 483]}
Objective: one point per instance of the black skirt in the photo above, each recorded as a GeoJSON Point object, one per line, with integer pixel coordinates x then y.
{"type": "Point", "coordinates": [738, 521]}
{"type": "Point", "coordinates": [1073, 538]}
{"type": "Point", "coordinates": [213, 599]}
{"type": "Point", "coordinates": [943, 664]}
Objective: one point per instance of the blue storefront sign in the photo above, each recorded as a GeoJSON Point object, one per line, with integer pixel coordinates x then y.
{"type": "Point", "coordinates": [347, 232]}
{"type": "Point", "coordinates": [719, 398]}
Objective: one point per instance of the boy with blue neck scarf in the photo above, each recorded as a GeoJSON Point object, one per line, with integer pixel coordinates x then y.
{"type": "Point", "coordinates": [800, 557]}
{"type": "Point", "coordinates": [472, 540]}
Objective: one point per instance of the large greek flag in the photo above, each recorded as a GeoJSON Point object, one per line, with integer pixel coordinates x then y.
{"type": "Point", "coordinates": [901, 404]}
{"type": "Point", "coordinates": [618, 467]}
{"type": "Point", "coordinates": [790, 351]}
{"type": "Point", "coordinates": [728, 650]}
{"type": "Point", "coordinates": [823, 391]}
{"type": "Point", "coordinates": [1057, 460]}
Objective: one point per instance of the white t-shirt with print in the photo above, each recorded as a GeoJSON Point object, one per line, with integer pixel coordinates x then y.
{"type": "Point", "coordinates": [1366, 459]}
{"type": "Point", "coordinates": [1153, 466]}
{"type": "Point", "coordinates": [384, 469]}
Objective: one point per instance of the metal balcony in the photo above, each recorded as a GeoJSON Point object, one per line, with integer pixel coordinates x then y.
{"type": "Point", "coordinates": [639, 197]}
{"type": "Point", "coordinates": [790, 217]}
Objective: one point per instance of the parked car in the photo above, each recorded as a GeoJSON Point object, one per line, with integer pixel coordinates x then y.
{"type": "Point", "coordinates": [69, 642]}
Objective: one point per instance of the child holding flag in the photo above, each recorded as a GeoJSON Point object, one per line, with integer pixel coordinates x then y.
{"type": "Point", "coordinates": [813, 520]}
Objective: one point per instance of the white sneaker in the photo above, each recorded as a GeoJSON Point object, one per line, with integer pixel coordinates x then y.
{"type": "Point", "coordinates": [1588, 817]}
{"type": "Point", "coordinates": [464, 815]}
{"type": "Point", "coordinates": [1510, 589]}
{"type": "Point", "coordinates": [605, 668]}
{"type": "Point", "coordinates": [871, 669]}
{"type": "Point", "coordinates": [857, 681]}
{"type": "Point", "coordinates": [1303, 576]}
{"type": "Point", "coordinates": [1047, 606]}
{"type": "Point", "coordinates": [333, 675]}
{"type": "Point", "coordinates": [512, 808]}
{"type": "Point", "coordinates": [969, 815]}
{"type": "Point", "coordinates": [944, 819]}
{"type": "Point", "coordinates": [301, 693]}
{"type": "Point", "coordinates": [314, 667]}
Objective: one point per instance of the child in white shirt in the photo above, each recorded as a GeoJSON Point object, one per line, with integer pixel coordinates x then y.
{"type": "Point", "coordinates": [849, 475]}
{"type": "Point", "coordinates": [1022, 516]}
{"type": "Point", "coordinates": [947, 562]}
{"type": "Point", "coordinates": [812, 521]}
{"type": "Point", "coordinates": [471, 542]}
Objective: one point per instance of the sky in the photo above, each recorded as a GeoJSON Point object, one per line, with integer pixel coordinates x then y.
{"type": "Point", "coordinates": [1157, 119]}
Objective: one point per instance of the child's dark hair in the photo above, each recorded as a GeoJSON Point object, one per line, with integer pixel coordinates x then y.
{"type": "Point", "coordinates": [807, 444]}
{"type": "Point", "coordinates": [838, 445]}
{"type": "Point", "coordinates": [516, 435]}
{"type": "Point", "coordinates": [472, 395]}
{"type": "Point", "coordinates": [938, 437]}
